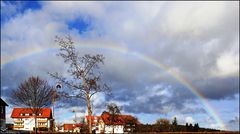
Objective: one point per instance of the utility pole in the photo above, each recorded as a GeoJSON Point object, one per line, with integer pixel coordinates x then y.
{"type": "Point", "coordinates": [57, 86]}
{"type": "Point", "coordinates": [75, 120]}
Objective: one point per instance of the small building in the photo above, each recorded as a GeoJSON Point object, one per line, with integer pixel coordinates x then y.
{"type": "Point", "coordinates": [3, 105]}
{"type": "Point", "coordinates": [72, 127]}
{"type": "Point", "coordinates": [23, 119]}
{"type": "Point", "coordinates": [121, 123]}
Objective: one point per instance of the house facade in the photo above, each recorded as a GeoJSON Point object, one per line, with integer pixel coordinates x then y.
{"type": "Point", "coordinates": [72, 127]}
{"type": "Point", "coordinates": [23, 119]}
{"type": "Point", "coordinates": [120, 123]}
{"type": "Point", "coordinates": [3, 105]}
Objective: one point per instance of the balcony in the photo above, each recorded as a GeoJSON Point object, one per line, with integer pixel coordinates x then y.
{"type": "Point", "coordinates": [18, 121]}
{"type": "Point", "coordinates": [42, 125]}
{"type": "Point", "coordinates": [42, 121]}
{"type": "Point", "coordinates": [18, 126]}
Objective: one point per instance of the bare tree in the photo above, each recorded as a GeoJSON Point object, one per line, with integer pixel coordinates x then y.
{"type": "Point", "coordinates": [34, 93]}
{"type": "Point", "coordinates": [114, 111]}
{"type": "Point", "coordinates": [163, 121]}
{"type": "Point", "coordinates": [85, 78]}
{"type": "Point", "coordinates": [163, 124]}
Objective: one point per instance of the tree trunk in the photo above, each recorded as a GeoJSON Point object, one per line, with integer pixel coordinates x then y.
{"type": "Point", "coordinates": [88, 106]}
{"type": "Point", "coordinates": [113, 128]}
{"type": "Point", "coordinates": [89, 113]}
{"type": "Point", "coordinates": [113, 119]}
{"type": "Point", "coordinates": [35, 117]}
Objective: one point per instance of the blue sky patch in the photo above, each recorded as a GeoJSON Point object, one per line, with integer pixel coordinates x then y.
{"type": "Point", "coordinates": [80, 24]}
{"type": "Point", "coordinates": [10, 9]}
{"type": "Point", "coordinates": [33, 5]}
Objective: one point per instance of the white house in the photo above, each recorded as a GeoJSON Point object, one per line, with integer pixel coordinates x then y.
{"type": "Point", "coordinates": [72, 127]}
{"type": "Point", "coordinates": [121, 123]}
{"type": "Point", "coordinates": [23, 119]}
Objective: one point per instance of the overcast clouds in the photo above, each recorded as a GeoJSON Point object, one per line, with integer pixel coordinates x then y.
{"type": "Point", "coordinates": [198, 39]}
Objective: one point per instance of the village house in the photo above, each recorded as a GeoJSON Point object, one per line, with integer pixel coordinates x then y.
{"type": "Point", "coordinates": [72, 127]}
{"type": "Point", "coordinates": [121, 123]}
{"type": "Point", "coordinates": [23, 119]}
{"type": "Point", "coordinates": [3, 105]}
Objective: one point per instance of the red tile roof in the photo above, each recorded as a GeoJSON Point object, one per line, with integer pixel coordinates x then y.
{"type": "Point", "coordinates": [21, 113]}
{"type": "Point", "coordinates": [119, 119]}
{"type": "Point", "coordinates": [71, 126]}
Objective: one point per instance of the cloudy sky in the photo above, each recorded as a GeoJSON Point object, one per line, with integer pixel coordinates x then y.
{"type": "Point", "coordinates": [162, 59]}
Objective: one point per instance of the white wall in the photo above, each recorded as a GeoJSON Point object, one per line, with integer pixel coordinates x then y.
{"type": "Point", "coordinates": [29, 123]}
{"type": "Point", "coordinates": [109, 129]}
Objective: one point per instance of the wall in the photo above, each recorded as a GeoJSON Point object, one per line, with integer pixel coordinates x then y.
{"type": "Point", "coordinates": [117, 129]}
{"type": "Point", "coordinates": [29, 123]}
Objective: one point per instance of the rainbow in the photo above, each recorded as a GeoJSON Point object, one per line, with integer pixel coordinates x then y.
{"type": "Point", "coordinates": [116, 47]}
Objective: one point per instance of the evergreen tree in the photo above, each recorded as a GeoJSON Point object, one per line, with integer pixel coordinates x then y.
{"type": "Point", "coordinates": [174, 124]}
{"type": "Point", "coordinates": [196, 127]}
{"type": "Point", "coordinates": [190, 127]}
{"type": "Point", "coordinates": [187, 127]}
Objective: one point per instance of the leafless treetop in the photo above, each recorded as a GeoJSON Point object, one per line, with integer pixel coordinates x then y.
{"type": "Point", "coordinates": [82, 69]}
{"type": "Point", "coordinates": [34, 93]}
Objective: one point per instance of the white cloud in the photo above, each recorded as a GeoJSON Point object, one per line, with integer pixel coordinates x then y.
{"type": "Point", "coordinates": [189, 119]}
{"type": "Point", "coordinates": [228, 64]}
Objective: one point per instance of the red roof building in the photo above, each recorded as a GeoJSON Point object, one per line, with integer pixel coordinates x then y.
{"type": "Point", "coordinates": [27, 113]}
{"type": "Point", "coordinates": [24, 119]}
{"type": "Point", "coordinates": [72, 127]}
{"type": "Point", "coordinates": [105, 122]}
{"type": "Point", "coordinates": [118, 119]}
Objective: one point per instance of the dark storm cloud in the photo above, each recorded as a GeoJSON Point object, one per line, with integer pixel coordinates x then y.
{"type": "Point", "coordinates": [219, 88]}
{"type": "Point", "coordinates": [162, 104]}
